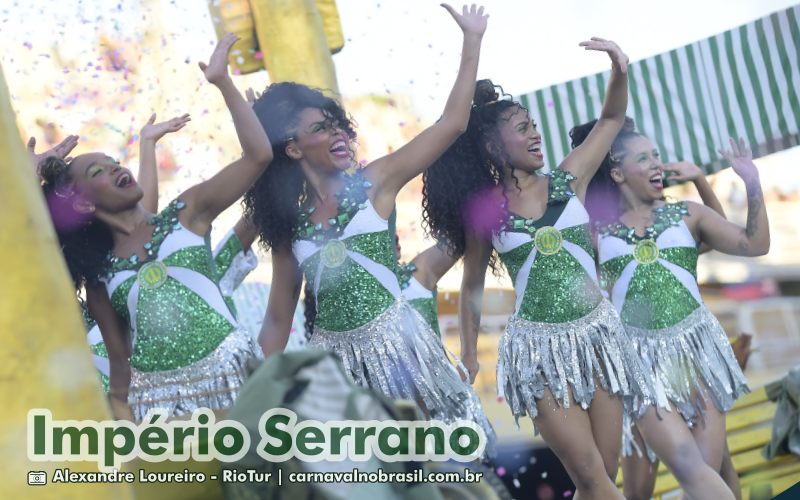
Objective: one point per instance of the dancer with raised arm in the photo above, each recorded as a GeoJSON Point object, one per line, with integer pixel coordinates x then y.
{"type": "Point", "coordinates": [151, 274]}
{"type": "Point", "coordinates": [648, 255]}
{"type": "Point", "coordinates": [563, 359]}
{"type": "Point", "coordinates": [639, 462]}
{"type": "Point", "coordinates": [332, 228]}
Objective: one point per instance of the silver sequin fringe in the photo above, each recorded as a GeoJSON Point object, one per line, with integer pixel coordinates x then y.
{"type": "Point", "coordinates": [566, 358]}
{"type": "Point", "coordinates": [683, 359]}
{"type": "Point", "coordinates": [398, 355]}
{"type": "Point", "coordinates": [213, 382]}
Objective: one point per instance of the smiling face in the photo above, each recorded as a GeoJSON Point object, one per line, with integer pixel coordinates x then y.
{"type": "Point", "coordinates": [639, 171]}
{"type": "Point", "coordinates": [104, 183]}
{"type": "Point", "coordinates": [319, 141]}
{"type": "Point", "coordinates": [521, 142]}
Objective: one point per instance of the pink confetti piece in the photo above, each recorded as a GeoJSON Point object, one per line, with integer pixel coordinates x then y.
{"type": "Point", "coordinates": [501, 471]}
{"type": "Point", "coordinates": [567, 493]}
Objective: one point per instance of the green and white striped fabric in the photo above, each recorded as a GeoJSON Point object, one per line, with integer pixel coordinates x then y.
{"type": "Point", "coordinates": [743, 82]}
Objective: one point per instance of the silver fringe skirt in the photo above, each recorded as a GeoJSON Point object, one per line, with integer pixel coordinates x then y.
{"type": "Point", "coordinates": [682, 360]}
{"type": "Point", "coordinates": [213, 382]}
{"type": "Point", "coordinates": [398, 355]}
{"type": "Point", "coordinates": [567, 358]}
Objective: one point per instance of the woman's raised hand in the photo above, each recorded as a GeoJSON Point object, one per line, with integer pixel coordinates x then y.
{"type": "Point", "coordinates": [472, 20]}
{"type": "Point", "coordinates": [618, 58]}
{"type": "Point", "coordinates": [216, 70]}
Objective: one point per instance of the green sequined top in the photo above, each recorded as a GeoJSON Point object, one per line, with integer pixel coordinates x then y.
{"type": "Point", "coordinates": [228, 257]}
{"type": "Point", "coordinates": [420, 298]}
{"type": "Point", "coordinates": [551, 260]}
{"type": "Point", "coordinates": [351, 264]}
{"type": "Point", "coordinates": [171, 301]}
{"type": "Point", "coordinates": [652, 279]}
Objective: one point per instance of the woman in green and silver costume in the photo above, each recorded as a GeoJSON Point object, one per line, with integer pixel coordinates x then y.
{"type": "Point", "coordinates": [233, 259]}
{"type": "Point", "coordinates": [563, 358]}
{"type": "Point", "coordinates": [639, 462]}
{"type": "Point", "coordinates": [187, 350]}
{"type": "Point", "coordinates": [332, 229]}
{"type": "Point", "coordinates": [648, 256]}
{"type": "Point", "coordinates": [149, 135]}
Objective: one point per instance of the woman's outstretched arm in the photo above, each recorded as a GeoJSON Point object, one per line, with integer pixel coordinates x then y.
{"type": "Point", "coordinates": [584, 160]}
{"type": "Point", "coordinates": [720, 234]}
{"type": "Point", "coordinates": [391, 172]}
{"type": "Point", "coordinates": [206, 200]}
{"type": "Point", "coordinates": [150, 134]}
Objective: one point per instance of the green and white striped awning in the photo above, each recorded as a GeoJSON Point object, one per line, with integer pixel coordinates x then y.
{"type": "Point", "coordinates": [743, 82]}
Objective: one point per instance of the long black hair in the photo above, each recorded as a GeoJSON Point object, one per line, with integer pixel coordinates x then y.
{"type": "Point", "coordinates": [85, 241]}
{"type": "Point", "coordinates": [458, 187]}
{"type": "Point", "coordinates": [274, 201]}
{"type": "Point", "coordinates": [603, 197]}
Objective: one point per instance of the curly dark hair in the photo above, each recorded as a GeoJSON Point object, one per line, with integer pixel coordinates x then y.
{"type": "Point", "coordinates": [467, 172]}
{"type": "Point", "coordinates": [603, 197]}
{"type": "Point", "coordinates": [274, 201]}
{"type": "Point", "coordinates": [85, 241]}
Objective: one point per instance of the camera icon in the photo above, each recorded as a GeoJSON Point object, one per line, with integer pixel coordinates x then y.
{"type": "Point", "coordinates": [37, 478]}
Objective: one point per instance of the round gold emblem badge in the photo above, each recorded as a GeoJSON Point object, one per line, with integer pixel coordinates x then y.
{"type": "Point", "coordinates": [548, 240]}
